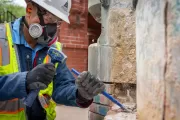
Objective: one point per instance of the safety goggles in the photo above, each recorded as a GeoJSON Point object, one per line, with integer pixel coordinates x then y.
{"type": "Point", "coordinates": [49, 16]}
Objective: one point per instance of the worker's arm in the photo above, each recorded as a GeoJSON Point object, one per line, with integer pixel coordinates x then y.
{"type": "Point", "coordinates": [65, 90]}
{"type": "Point", "coordinates": [13, 86]}
{"type": "Point", "coordinates": [16, 85]}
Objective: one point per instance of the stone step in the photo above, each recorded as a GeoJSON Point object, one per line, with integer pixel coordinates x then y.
{"type": "Point", "coordinates": [95, 116]}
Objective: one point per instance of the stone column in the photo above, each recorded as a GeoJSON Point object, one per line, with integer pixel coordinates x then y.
{"type": "Point", "coordinates": [158, 68]}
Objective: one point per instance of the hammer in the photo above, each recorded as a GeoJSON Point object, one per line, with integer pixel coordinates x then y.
{"type": "Point", "coordinates": [56, 57]}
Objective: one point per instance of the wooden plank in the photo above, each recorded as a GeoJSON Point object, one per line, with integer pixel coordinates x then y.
{"type": "Point", "coordinates": [151, 59]}
{"type": "Point", "coordinates": [172, 108]}
{"type": "Point", "coordinates": [94, 116]}
{"type": "Point", "coordinates": [99, 109]}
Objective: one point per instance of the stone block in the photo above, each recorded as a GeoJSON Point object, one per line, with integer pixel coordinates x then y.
{"type": "Point", "coordinates": [117, 64]}
{"type": "Point", "coordinates": [104, 63]}
{"type": "Point", "coordinates": [125, 93]}
{"type": "Point", "coordinates": [93, 58]}
{"type": "Point", "coordinates": [152, 59]}
{"type": "Point", "coordinates": [95, 116]}
{"type": "Point", "coordinates": [119, 25]}
{"type": "Point", "coordinates": [123, 68]}
{"type": "Point", "coordinates": [99, 109]}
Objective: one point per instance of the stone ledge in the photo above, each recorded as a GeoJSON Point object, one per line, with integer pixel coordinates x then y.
{"type": "Point", "coordinates": [116, 113]}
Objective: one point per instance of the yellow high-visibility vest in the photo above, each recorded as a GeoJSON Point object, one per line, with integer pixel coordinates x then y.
{"type": "Point", "coordinates": [9, 63]}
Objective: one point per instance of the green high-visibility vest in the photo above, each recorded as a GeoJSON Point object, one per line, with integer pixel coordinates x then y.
{"type": "Point", "coordinates": [9, 63]}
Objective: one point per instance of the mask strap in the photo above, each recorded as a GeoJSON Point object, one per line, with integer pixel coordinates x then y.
{"type": "Point", "coordinates": [42, 23]}
{"type": "Point", "coordinates": [25, 22]}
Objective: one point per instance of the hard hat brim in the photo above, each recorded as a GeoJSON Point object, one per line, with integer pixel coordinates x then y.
{"type": "Point", "coordinates": [52, 10]}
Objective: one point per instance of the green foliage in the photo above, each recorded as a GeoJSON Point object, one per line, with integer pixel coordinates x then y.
{"type": "Point", "coordinates": [17, 10]}
{"type": "Point", "coordinates": [8, 5]}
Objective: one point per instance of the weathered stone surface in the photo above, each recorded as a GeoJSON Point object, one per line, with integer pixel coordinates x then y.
{"type": "Point", "coordinates": [93, 59]}
{"type": "Point", "coordinates": [172, 108]}
{"type": "Point", "coordinates": [123, 68]}
{"type": "Point", "coordinates": [99, 109]}
{"type": "Point", "coordinates": [104, 63]}
{"type": "Point", "coordinates": [117, 62]}
{"type": "Point", "coordinates": [116, 66]}
{"type": "Point", "coordinates": [151, 59]}
{"type": "Point", "coordinates": [94, 116]}
{"type": "Point", "coordinates": [122, 34]}
{"type": "Point", "coordinates": [116, 113]}
{"type": "Point", "coordinates": [116, 52]}
{"type": "Point", "coordinates": [122, 12]}
{"type": "Point", "coordinates": [125, 93]}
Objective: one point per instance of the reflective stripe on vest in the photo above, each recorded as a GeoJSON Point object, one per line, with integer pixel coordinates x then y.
{"type": "Point", "coordinates": [4, 45]}
{"type": "Point", "coordinates": [14, 109]}
{"type": "Point", "coordinates": [11, 66]}
{"type": "Point", "coordinates": [45, 95]}
{"type": "Point", "coordinates": [10, 109]}
{"type": "Point", "coordinates": [11, 106]}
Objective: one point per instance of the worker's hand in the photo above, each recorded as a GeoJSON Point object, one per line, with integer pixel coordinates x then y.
{"type": "Point", "coordinates": [40, 76]}
{"type": "Point", "coordinates": [89, 86]}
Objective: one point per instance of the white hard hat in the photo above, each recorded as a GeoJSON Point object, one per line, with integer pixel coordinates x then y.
{"type": "Point", "coordinates": [59, 8]}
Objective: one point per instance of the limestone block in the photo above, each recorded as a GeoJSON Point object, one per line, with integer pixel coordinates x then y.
{"type": "Point", "coordinates": [119, 25]}
{"type": "Point", "coordinates": [95, 116]}
{"type": "Point", "coordinates": [117, 64]}
{"type": "Point", "coordinates": [93, 58]}
{"type": "Point", "coordinates": [125, 93]}
{"type": "Point", "coordinates": [123, 68]}
{"type": "Point", "coordinates": [99, 109]}
{"type": "Point", "coordinates": [71, 113]}
{"type": "Point", "coordinates": [104, 63]}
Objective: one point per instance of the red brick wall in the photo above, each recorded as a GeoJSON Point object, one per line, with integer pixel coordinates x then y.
{"type": "Point", "coordinates": [94, 29]}
{"type": "Point", "coordinates": [74, 36]}
{"type": "Point", "coordinates": [77, 58]}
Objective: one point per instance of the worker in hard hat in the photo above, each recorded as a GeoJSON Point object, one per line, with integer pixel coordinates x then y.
{"type": "Point", "coordinates": [24, 65]}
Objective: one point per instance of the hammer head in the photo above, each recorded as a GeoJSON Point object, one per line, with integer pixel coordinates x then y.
{"type": "Point", "coordinates": [56, 55]}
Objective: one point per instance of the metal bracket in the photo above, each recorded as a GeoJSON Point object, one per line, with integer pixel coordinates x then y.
{"type": "Point", "coordinates": [105, 3]}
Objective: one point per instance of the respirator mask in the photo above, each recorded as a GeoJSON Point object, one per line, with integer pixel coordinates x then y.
{"type": "Point", "coordinates": [44, 34]}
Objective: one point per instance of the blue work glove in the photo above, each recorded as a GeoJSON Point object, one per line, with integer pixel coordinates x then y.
{"type": "Point", "coordinates": [88, 85]}
{"type": "Point", "coordinates": [40, 76]}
